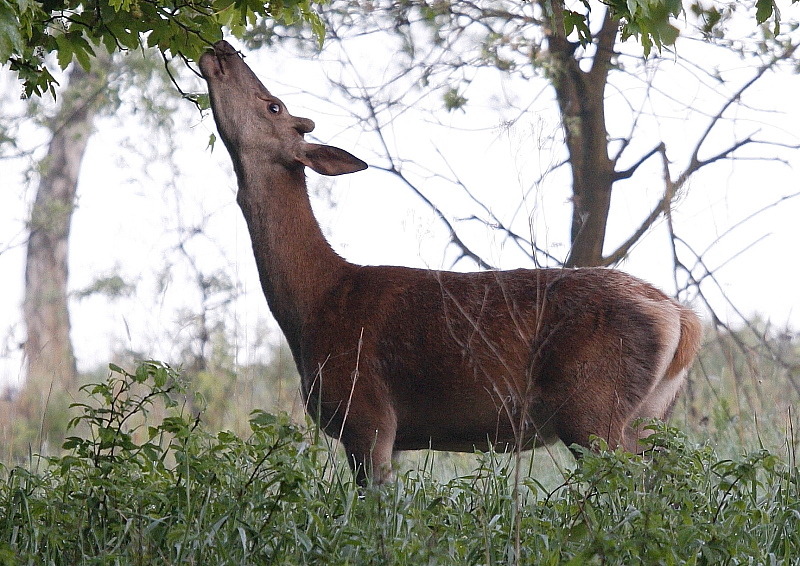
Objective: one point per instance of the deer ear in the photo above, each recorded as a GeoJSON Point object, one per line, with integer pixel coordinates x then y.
{"type": "Point", "coordinates": [303, 125]}
{"type": "Point", "coordinates": [328, 160]}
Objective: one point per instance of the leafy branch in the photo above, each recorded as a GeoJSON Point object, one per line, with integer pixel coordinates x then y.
{"type": "Point", "coordinates": [31, 31]}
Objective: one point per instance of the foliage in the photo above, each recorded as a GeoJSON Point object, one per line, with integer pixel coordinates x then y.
{"type": "Point", "coordinates": [650, 21]}
{"type": "Point", "coordinates": [168, 492]}
{"type": "Point", "coordinates": [157, 493]}
{"type": "Point", "coordinates": [685, 505]}
{"type": "Point", "coordinates": [112, 286]}
{"type": "Point", "coordinates": [30, 31]}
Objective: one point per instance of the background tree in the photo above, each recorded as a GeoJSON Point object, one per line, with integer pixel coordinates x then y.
{"type": "Point", "coordinates": [75, 30]}
{"type": "Point", "coordinates": [48, 349]}
{"type": "Point", "coordinates": [442, 46]}
{"type": "Point", "coordinates": [50, 367]}
{"type": "Point", "coordinates": [130, 94]}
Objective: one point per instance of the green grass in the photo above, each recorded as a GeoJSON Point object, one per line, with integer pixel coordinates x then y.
{"type": "Point", "coordinates": [142, 482]}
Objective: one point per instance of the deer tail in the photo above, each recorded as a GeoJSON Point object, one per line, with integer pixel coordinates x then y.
{"type": "Point", "coordinates": [689, 343]}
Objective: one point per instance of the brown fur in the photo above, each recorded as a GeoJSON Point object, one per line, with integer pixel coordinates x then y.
{"type": "Point", "coordinates": [393, 358]}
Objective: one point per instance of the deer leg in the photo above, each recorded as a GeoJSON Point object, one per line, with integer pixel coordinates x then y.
{"type": "Point", "coordinates": [370, 456]}
{"type": "Point", "coordinates": [576, 401]}
{"type": "Point", "coordinates": [658, 403]}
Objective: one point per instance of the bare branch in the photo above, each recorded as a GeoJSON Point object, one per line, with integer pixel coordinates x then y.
{"type": "Point", "coordinates": [748, 218]}
{"type": "Point", "coordinates": [466, 252]}
{"type": "Point", "coordinates": [662, 207]}
{"type": "Point", "coordinates": [717, 320]}
{"type": "Point", "coordinates": [622, 251]}
{"type": "Point", "coordinates": [695, 162]}
{"type": "Point", "coordinates": [526, 245]}
{"type": "Point", "coordinates": [628, 173]}
{"type": "Point", "coordinates": [672, 187]}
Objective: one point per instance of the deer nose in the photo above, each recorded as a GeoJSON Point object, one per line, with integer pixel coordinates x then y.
{"type": "Point", "coordinates": [222, 47]}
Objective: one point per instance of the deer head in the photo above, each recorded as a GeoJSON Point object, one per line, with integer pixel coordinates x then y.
{"type": "Point", "coordinates": [256, 125]}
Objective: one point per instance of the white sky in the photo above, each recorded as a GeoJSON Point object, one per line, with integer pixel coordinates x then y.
{"type": "Point", "coordinates": [127, 222]}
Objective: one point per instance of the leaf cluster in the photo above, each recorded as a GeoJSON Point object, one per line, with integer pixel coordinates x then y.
{"type": "Point", "coordinates": [30, 30]}
{"type": "Point", "coordinates": [682, 504]}
{"type": "Point", "coordinates": [649, 21]}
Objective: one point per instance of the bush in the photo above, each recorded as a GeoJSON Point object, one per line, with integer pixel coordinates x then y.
{"type": "Point", "coordinates": [141, 482]}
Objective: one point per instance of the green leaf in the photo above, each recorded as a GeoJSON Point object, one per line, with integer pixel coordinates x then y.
{"type": "Point", "coordinates": [160, 377]}
{"type": "Point", "coordinates": [142, 373]}
{"type": "Point", "coordinates": [120, 5]}
{"type": "Point", "coordinates": [453, 100]}
{"type": "Point", "coordinates": [317, 27]}
{"type": "Point", "coordinates": [667, 33]}
{"type": "Point", "coordinates": [72, 442]}
{"type": "Point", "coordinates": [83, 50]}
{"type": "Point", "coordinates": [764, 9]}
{"type": "Point", "coordinates": [10, 37]}
{"type": "Point", "coordinates": [575, 21]}
{"type": "Point", "coordinates": [203, 103]}
{"type": "Point", "coordinates": [64, 53]}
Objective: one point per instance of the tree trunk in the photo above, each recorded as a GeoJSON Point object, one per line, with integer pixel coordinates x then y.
{"type": "Point", "coordinates": [48, 349]}
{"type": "Point", "coordinates": [581, 97]}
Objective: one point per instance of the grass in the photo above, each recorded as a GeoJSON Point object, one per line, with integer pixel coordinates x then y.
{"type": "Point", "coordinates": [142, 482]}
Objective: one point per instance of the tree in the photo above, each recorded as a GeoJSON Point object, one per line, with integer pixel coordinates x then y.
{"type": "Point", "coordinates": [48, 349]}
{"type": "Point", "coordinates": [51, 374]}
{"type": "Point", "coordinates": [441, 46]}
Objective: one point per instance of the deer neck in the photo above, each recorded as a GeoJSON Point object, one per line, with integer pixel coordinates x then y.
{"type": "Point", "coordinates": [296, 264]}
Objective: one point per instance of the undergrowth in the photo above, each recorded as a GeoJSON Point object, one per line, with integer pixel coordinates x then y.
{"type": "Point", "coordinates": [138, 485]}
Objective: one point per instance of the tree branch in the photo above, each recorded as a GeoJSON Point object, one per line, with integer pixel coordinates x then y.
{"type": "Point", "coordinates": [527, 246]}
{"type": "Point", "coordinates": [695, 162]}
{"type": "Point", "coordinates": [628, 173]}
{"type": "Point", "coordinates": [466, 252]}
{"type": "Point", "coordinates": [606, 39]}
{"type": "Point", "coordinates": [662, 207]}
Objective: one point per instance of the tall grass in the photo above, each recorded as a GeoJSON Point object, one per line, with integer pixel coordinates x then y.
{"type": "Point", "coordinates": [142, 481]}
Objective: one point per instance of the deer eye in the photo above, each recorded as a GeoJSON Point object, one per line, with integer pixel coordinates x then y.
{"type": "Point", "coordinates": [274, 107]}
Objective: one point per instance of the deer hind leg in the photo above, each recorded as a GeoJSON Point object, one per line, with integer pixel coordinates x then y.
{"type": "Point", "coordinates": [610, 410]}
{"type": "Point", "coordinates": [576, 401]}
{"type": "Point", "coordinates": [600, 392]}
{"type": "Point", "coordinates": [370, 448]}
{"type": "Point", "coordinates": [657, 405]}
{"type": "Point", "coordinates": [659, 400]}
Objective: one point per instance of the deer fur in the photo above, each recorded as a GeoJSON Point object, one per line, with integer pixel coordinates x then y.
{"type": "Point", "coordinates": [394, 358]}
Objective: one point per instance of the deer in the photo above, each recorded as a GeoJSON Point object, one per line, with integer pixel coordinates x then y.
{"type": "Point", "coordinates": [398, 358]}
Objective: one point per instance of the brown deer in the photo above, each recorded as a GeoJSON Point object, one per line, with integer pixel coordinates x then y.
{"type": "Point", "coordinates": [394, 358]}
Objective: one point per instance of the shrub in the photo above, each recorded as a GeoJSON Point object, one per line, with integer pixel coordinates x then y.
{"type": "Point", "coordinates": [142, 482]}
